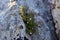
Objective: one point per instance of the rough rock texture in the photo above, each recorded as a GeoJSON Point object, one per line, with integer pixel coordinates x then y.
{"type": "Point", "coordinates": [43, 18]}
{"type": "Point", "coordinates": [56, 16]}
{"type": "Point", "coordinates": [10, 22]}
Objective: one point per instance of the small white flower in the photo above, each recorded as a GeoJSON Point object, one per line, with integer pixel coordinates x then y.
{"type": "Point", "coordinates": [27, 22]}
{"type": "Point", "coordinates": [30, 18]}
{"type": "Point", "coordinates": [30, 32]}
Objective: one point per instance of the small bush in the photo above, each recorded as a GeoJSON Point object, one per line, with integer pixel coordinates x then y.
{"type": "Point", "coordinates": [28, 20]}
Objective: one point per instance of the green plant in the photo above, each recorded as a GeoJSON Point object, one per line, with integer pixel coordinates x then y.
{"type": "Point", "coordinates": [28, 20]}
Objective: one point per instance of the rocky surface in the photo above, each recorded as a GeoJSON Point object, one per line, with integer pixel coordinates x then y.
{"type": "Point", "coordinates": [10, 22]}
{"type": "Point", "coordinates": [56, 16]}
{"type": "Point", "coordinates": [9, 16]}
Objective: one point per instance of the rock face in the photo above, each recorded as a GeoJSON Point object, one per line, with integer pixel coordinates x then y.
{"type": "Point", "coordinates": [10, 20]}
{"type": "Point", "coordinates": [56, 16]}
{"type": "Point", "coordinates": [44, 19]}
